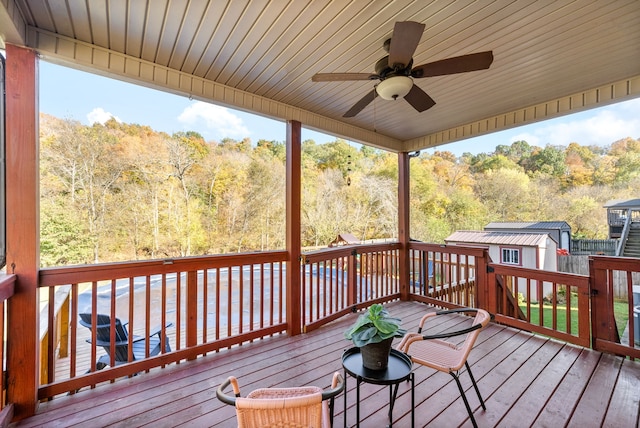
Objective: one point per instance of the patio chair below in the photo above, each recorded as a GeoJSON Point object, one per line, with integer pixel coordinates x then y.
{"type": "Point", "coordinates": [103, 326]}
{"type": "Point", "coordinates": [447, 356]}
{"type": "Point", "coordinates": [306, 406]}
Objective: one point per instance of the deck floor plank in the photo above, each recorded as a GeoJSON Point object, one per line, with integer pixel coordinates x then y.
{"type": "Point", "coordinates": [525, 410]}
{"type": "Point", "coordinates": [624, 409]}
{"type": "Point", "coordinates": [526, 380]}
{"type": "Point", "coordinates": [594, 402]}
{"type": "Point", "coordinates": [541, 352]}
{"type": "Point", "coordinates": [488, 383]}
{"type": "Point", "coordinates": [561, 404]}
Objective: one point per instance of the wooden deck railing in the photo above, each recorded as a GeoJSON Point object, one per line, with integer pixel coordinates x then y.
{"type": "Point", "coordinates": [7, 289]}
{"type": "Point", "coordinates": [551, 303]}
{"type": "Point", "coordinates": [212, 303]}
{"type": "Point", "coordinates": [605, 272]}
{"type": "Point", "coordinates": [222, 301]}
{"type": "Point", "coordinates": [338, 280]}
{"type": "Point", "coordinates": [577, 309]}
{"type": "Point", "coordinates": [55, 339]}
{"type": "Point", "coordinates": [446, 275]}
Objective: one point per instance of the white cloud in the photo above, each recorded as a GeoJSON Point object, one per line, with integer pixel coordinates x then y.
{"type": "Point", "coordinates": [600, 127]}
{"type": "Point", "coordinates": [220, 120]}
{"type": "Point", "coordinates": [530, 138]}
{"type": "Point", "coordinates": [100, 116]}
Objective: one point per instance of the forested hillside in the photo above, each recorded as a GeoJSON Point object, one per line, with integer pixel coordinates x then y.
{"type": "Point", "coordinates": [125, 192]}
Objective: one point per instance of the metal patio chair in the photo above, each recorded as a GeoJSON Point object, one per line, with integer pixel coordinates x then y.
{"type": "Point", "coordinates": [306, 406]}
{"type": "Point", "coordinates": [439, 354]}
{"type": "Point", "coordinates": [121, 344]}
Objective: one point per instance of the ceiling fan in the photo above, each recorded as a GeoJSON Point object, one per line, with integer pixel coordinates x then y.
{"type": "Point", "coordinates": [395, 71]}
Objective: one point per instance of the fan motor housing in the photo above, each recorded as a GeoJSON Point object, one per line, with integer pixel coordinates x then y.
{"type": "Point", "coordinates": [383, 70]}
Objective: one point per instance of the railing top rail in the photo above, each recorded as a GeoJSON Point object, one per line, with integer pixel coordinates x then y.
{"type": "Point", "coordinates": [100, 272]}
{"type": "Point", "coordinates": [7, 286]}
{"type": "Point", "coordinates": [630, 264]}
{"type": "Point", "coordinates": [327, 253]}
{"type": "Point", "coordinates": [542, 275]}
{"type": "Point", "coordinates": [346, 250]}
{"type": "Point", "coordinates": [452, 249]}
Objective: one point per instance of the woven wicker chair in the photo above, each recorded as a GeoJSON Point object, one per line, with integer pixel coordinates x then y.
{"type": "Point", "coordinates": [300, 407]}
{"type": "Point", "coordinates": [432, 351]}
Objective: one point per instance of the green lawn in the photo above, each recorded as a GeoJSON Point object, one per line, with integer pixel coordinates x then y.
{"type": "Point", "coordinates": [619, 308]}
{"type": "Point", "coordinates": [547, 316]}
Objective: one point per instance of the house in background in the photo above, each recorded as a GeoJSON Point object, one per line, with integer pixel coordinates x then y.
{"type": "Point", "coordinates": [345, 239]}
{"type": "Point", "coordinates": [623, 217]}
{"type": "Point", "coordinates": [529, 250]}
{"type": "Point", "coordinates": [560, 231]}
{"type": "Point", "coordinates": [618, 212]}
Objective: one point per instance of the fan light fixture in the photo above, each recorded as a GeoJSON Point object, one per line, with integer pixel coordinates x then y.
{"type": "Point", "coordinates": [394, 87]}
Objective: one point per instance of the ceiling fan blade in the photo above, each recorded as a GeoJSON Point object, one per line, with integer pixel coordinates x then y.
{"type": "Point", "coordinates": [364, 101]}
{"type": "Point", "coordinates": [419, 99]}
{"type": "Point", "coordinates": [405, 39]}
{"type": "Point", "coordinates": [338, 77]}
{"type": "Point", "coordinates": [458, 64]}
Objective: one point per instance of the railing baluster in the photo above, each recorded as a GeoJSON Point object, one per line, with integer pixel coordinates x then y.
{"type": "Point", "coordinates": [205, 305]}
{"type": "Point", "coordinates": [229, 302]}
{"type": "Point", "coordinates": [218, 314]}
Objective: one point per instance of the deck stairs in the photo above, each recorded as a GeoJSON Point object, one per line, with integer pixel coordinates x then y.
{"type": "Point", "coordinates": [632, 244]}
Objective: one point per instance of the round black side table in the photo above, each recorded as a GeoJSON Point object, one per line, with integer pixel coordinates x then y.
{"type": "Point", "coordinates": [398, 370]}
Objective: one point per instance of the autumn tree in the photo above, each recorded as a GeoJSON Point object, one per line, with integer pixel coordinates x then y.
{"type": "Point", "coordinates": [124, 191]}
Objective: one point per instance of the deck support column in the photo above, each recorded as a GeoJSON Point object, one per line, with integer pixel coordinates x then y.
{"type": "Point", "coordinates": [23, 228]}
{"type": "Point", "coordinates": [404, 234]}
{"type": "Point", "coordinates": [294, 195]}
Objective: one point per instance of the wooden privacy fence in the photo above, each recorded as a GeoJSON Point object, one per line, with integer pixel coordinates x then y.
{"type": "Point", "coordinates": [580, 265]}
{"type": "Point", "coordinates": [586, 247]}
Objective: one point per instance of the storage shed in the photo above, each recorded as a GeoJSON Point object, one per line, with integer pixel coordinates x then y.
{"type": "Point", "coordinates": [530, 250]}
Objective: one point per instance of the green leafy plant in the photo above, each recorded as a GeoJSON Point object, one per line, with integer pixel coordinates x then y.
{"type": "Point", "coordinates": [374, 326]}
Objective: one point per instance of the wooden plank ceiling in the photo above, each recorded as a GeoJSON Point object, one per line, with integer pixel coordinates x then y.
{"type": "Point", "coordinates": [550, 57]}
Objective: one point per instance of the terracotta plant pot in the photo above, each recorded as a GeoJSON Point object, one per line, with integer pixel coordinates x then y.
{"type": "Point", "coordinates": [375, 356]}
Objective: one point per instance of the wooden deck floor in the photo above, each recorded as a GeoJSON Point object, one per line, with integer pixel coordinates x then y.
{"type": "Point", "coordinates": [526, 380]}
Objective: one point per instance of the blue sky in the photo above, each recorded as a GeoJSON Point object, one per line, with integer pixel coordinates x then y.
{"type": "Point", "coordinates": [89, 98]}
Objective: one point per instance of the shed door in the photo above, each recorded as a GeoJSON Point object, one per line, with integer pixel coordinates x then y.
{"type": "Point", "coordinates": [564, 241]}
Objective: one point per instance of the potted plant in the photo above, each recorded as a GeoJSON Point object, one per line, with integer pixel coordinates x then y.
{"type": "Point", "coordinates": [373, 333]}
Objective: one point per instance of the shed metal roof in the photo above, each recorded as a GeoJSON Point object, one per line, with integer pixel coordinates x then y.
{"type": "Point", "coordinates": [498, 238]}
{"type": "Point", "coordinates": [528, 225]}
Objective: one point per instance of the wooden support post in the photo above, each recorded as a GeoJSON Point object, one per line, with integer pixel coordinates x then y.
{"type": "Point", "coordinates": [294, 194]}
{"type": "Point", "coordinates": [192, 309]}
{"type": "Point", "coordinates": [486, 285]}
{"type": "Point", "coordinates": [23, 228]}
{"type": "Point", "coordinates": [352, 278]}
{"type": "Point", "coordinates": [403, 223]}
{"type": "Point", "coordinates": [603, 324]}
